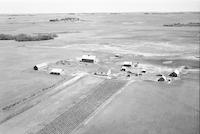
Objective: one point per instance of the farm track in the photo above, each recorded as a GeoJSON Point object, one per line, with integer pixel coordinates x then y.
{"type": "Point", "coordinates": [68, 121]}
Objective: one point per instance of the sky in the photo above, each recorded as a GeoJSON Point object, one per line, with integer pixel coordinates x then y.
{"type": "Point", "coordinates": [78, 6]}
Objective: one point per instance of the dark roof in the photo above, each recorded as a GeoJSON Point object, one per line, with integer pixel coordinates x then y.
{"type": "Point", "coordinates": [173, 74]}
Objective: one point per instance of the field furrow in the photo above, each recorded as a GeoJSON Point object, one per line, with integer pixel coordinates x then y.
{"type": "Point", "coordinates": [69, 120]}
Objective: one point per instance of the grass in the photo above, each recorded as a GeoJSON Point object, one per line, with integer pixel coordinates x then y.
{"type": "Point", "coordinates": [25, 37]}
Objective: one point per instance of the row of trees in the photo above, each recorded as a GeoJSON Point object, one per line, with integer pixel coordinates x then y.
{"type": "Point", "coordinates": [25, 37]}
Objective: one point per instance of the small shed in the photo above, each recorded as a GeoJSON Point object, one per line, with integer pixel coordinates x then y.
{"type": "Point", "coordinates": [88, 58]}
{"type": "Point", "coordinates": [174, 74]}
{"type": "Point", "coordinates": [57, 71]}
{"type": "Point", "coordinates": [127, 63]}
{"type": "Point", "coordinates": [162, 78]}
{"type": "Point", "coordinates": [40, 66]}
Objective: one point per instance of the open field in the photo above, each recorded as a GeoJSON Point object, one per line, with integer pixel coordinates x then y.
{"type": "Point", "coordinates": [146, 107]}
{"type": "Point", "coordinates": [35, 101]}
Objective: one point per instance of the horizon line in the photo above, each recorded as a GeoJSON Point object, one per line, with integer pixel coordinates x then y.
{"type": "Point", "coordinates": [105, 12]}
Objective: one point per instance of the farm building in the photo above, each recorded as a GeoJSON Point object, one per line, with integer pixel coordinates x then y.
{"type": "Point", "coordinates": [103, 72]}
{"type": "Point", "coordinates": [143, 71]}
{"type": "Point", "coordinates": [162, 78]}
{"type": "Point", "coordinates": [175, 73]}
{"type": "Point", "coordinates": [127, 64]}
{"type": "Point", "coordinates": [88, 58]}
{"type": "Point", "coordinates": [57, 71]}
{"type": "Point", "coordinates": [40, 66]}
{"type": "Point", "coordinates": [123, 68]}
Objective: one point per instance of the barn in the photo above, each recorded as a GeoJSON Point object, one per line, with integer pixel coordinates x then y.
{"type": "Point", "coordinates": [40, 66]}
{"type": "Point", "coordinates": [88, 58]}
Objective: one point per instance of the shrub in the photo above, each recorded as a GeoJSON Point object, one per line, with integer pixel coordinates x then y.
{"type": "Point", "coordinates": [25, 37]}
{"type": "Point", "coordinates": [6, 37]}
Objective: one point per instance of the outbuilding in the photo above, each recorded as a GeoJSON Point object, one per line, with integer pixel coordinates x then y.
{"type": "Point", "coordinates": [56, 71]}
{"type": "Point", "coordinates": [127, 64]}
{"type": "Point", "coordinates": [162, 78]}
{"type": "Point", "coordinates": [88, 58]}
{"type": "Point", "coordinates": [143, 71]}
{"type": "Point", "coordinates": [123, 68]}
{"type": "Point", "coordinates": [174, 74]}
{"type": "Point", "coordinates": [103, 72]}
{"type": "Point", "coordinates": [40, 66]}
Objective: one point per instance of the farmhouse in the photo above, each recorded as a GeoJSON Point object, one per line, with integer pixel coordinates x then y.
{"type": "Point", "coordinates": [40, 66]}
{"type": "Point", "coordinates": [127, 64]}
{"type": "Point", "coordinates": [88, 58]}
{"type": "Point", "coordinates": [57, 71]}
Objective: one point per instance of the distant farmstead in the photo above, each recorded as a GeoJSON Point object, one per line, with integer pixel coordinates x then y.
{"type": "Point", "coordinates": [40, 66]}
{"type": "Point", "coordinates": [88, 58]}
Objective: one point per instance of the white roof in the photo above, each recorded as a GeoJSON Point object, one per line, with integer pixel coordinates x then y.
{"type": "Point", "coordinates": [164, 77]}
{"type": "Point", "coordinates": [143, 69]}
{"type": "Point", "coordinates": [89, 57]}
{"type": "Point", "coordinates": [41, 65]}
{"type": "Point", "coordinates": [56, 70]}
{"type": "Point", "coordinates": [123, 67]}
{"type": "Point", "coordinates": [177, 71]}
{"type": "Point", "coordinates": [117, 54]}
{"type": "Point", "coordinates": [127, 63]}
